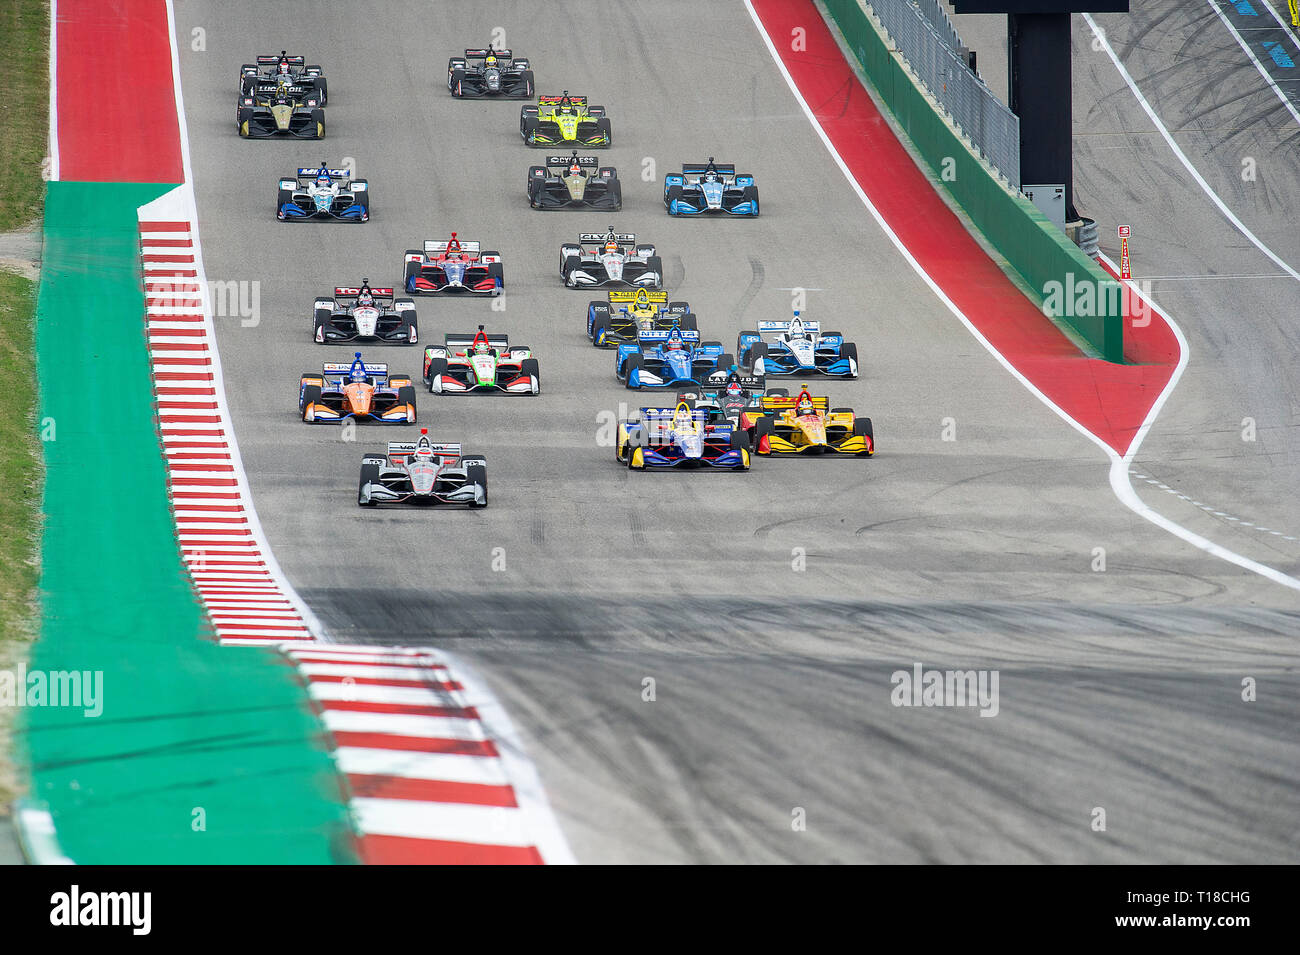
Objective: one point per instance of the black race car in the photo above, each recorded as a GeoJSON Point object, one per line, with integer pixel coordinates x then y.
{"type": "Point", "coordinates": [574, 182]}
{"type": "Point", "coordinates": [489, 73]}
{"type": "Point", "coordinates": [292, 70]}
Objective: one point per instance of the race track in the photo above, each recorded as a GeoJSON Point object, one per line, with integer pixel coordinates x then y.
{"type": "Point", "coordinates": [1119, 688]}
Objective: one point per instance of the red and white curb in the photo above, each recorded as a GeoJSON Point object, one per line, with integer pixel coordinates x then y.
{"type": "Point", "coordinates": [435, 770]}
{"type": "Point", "coordinates": [242, 590]}
{"type": "Point", "coordinates": [432, 782]}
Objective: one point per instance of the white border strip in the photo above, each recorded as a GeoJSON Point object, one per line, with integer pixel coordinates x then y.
{"type": "Point", "coordinates": [1240, 226]}
{"type": "Point", "coordinates": [1120, 481]}
{"type": "Point", "coordinates": [218, 381]}
{"type": "Point", "coordinates": [36, 835]}
{"type": "Point", "coordinates": [53, 144]}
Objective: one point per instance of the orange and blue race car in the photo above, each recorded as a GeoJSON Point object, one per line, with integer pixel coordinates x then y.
{"type": "Point", "coordinates": [359, 391]}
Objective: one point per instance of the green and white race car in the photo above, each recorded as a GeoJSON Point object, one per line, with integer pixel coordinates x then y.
{"type": "Point", "coordinates": [480, 362]}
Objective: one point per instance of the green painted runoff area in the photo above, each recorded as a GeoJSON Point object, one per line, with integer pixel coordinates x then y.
{"type": "Point", "coordinates": [1036, 249]}
{"type": "Point", "coordinates": [191, 733]}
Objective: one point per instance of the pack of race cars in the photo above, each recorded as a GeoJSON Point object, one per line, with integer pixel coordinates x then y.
{"type": "Point", "coordinates": [720, 411]}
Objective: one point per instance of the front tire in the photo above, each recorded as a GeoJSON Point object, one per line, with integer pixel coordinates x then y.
{"type": "Point", "coordinates": [477, 474]}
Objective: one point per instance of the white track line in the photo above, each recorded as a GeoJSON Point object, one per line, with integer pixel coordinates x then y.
{"type": "Point", "coordinates": [1119, 477]}
{"type": "Point", "coordinates": [54, 91]}
{"type": "Point", "coordinates": [1240, 226]}
{"type": "Point", "coordinates": [1214, 5]}
{"type": "Point", "coordinates": [1284, 24]}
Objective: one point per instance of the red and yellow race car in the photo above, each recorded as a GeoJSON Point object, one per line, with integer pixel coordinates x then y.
{"type": "Point", "coordinates": [806, 425]}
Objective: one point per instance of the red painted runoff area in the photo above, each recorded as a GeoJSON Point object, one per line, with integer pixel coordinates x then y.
{"type": "Point", "coordinates": [1109, 400]}
{"type": "Point", "coordinates": [116, 102]}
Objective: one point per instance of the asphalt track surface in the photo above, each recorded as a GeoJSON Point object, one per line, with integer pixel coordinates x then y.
{"type": "Point", "coordinates": [1119, 688]}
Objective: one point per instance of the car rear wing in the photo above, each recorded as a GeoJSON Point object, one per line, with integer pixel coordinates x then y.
{"type": "Point", "coordinates": [465, 339]}
{"type": "Point", "coordinates": [271, 59]}
{"type": "Point", "coordinates": [556, 100]}
{"type": "Point", "coordinates": [641, 295]}
{"type": "Point", "coordinates": [404, 449]}
{"type": "Point", "coordinates": [776, 328]}
{"type": "Point", "coordinates": [332, 173]}
{"type": "Point", "coordinates": [483, 54]}
{"type": "Point", "coordinates": [289, 89]}
{"type": "Point", "coordinates": [354, 292]}
{"type": "Point", "coordinates": [569, 160]}
{"type": "Point", "coordinates": [784, 403]}
{"type": "Point", "coordinates": [687, 335]}
{"type": "Point", "coordinates": [378, 368]}
{"type": "Point", "coordinates": [699, 169]}
{"type": "Point", "coordinates": [434, 246]}
{"type": "Point", "coordinates": [660, 414]}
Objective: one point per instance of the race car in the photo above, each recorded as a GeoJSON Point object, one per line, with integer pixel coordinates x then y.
{"type": "Point", "coordinates": [363, 312]}
{"type": "Point", "coordinates": [422, 472]}
{"type": "Point", "coordinates": [680, 437]}
{"type": "Point", "coordinates": [797, 347]}
{"type": "Point", "coordinates": [453, 265]}
{"type": "Point", "coordinates": [668, 359]}
{"type": "Point", "coordinates": [613, 258]}
{"type": "Point", "coordinates": [707, 187]}
{"type": "Point", "coordinates": [283, 69]}
{"type": "Point", "coordinates": [630, 311]}
{"type": "Point", "coordinates": [480, 362]}
{"type": "Point", "coordinates": [356, 391]}
{"type": "Point", "coordinates": [807, 425]}
{"type": "Point", "coordinates": [574, 182]}
{"type": "Point", "coordinates": [489, 73]}
{"type": "Point", "coordinates": [323, 193]}
{"type": "Point", "coordinates": [274, 109]}
{"type": "Point", "coordinates": [564, 120]}
{"type": "Point", "coordinates": [728, 396]}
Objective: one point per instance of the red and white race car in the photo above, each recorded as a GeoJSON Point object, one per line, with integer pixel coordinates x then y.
{"type": "Point", "coordinates": [453, 266]}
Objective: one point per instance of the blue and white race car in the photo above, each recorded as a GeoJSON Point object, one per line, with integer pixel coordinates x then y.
{"type": "Point", "coordinates": [323, 193]}
{"type": "Point", "coordinates": [680, 437]}
{"type": "Point", "coordinates": [666, 359]}
{"type": "Point", "coordinates": [797, 347]}
{"type": "Point", "coordinates": [708, 187]}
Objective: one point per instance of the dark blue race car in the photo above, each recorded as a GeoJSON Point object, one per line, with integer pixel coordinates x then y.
{"type": "Point", "coordinates": [666, 359]}
{"type": "Point", "coordinates": [680, 437]}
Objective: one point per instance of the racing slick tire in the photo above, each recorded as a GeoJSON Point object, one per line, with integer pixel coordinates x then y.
{"type": "Point", "coordinates": [751, 195]}
{"type": "Point", "coordinates": [655, 264]}
{"type": "Point", "coordinates": [602, 125]}
{"type": "Point", "coordinates": [412, 271]}
{"type": "Point", "coordinates": [689, 322]}
{"type": "Point", "coordinates": [528, 128]}
{"type": "Point", "coordinates": [674, 193]}
{"type": "Point", "coordinates": [567, 266]}
{"type": "Point", "coordinates": [754, 352]}
{"type": "Point", "coordinates": [850, 350]}
{"type": "Point", "coordinates": [529, 85]}
{"type": "Point", "coordinates": [616, 190]}
{"type": "Point", "coordinates": [243, 119]}
{"type": "Point", "coordinates": [633, 362]}
{"type": "Point", "coordinates": [725, 361]}
{"type": "Point", "coordinates": [530, 367]}
{"type": "Point", "coordinates": [778, 392]}
{"type": "Point", "coordinates": [410, 330]}
{"type": "Point", "coordinates": [763, 428]}
{"type": "Point", "coordinates": [497, 270]}
{"type": "Point", "coordinates": [318, 117]}
{"type": "Point", "coordinates": [322, 321]}
{"type": "Point", "coordinates": [477, 474]}
{"type": "Point", "coordinates": [369, 475]}
{"type": "Point", "coordinates": [844, 411]}
{"type": "Point", "coordinates": [862, 428]}
{"type": "Point", "coordinates": [456, 83]}
{"type": "Point", "coordinates": [310, 395]}
{"type": "Point", "coordinates": [740, 439]}
{"type": "Point", "coordinates": [437, 366]}
{"type": "Point", "coordinates": [323, 87]}
{"type": "Point", "coordinates": [283, 198]}
{"type": "Point", "coordinates": [406, 396]}
{"type": "Point", "coordinates": [599, 326]}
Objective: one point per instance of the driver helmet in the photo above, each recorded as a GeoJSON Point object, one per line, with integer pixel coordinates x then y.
{"type": "Point", "coordinates": [611, 244]}
{"type": "Point", "coordinates": [683, 420]}
{"type": "Point", "coordinates": [575, 169]}
{"type": "Point", "coordinates": [481, 347]}
{"type": "Point", "coordinates": [646, 324]}
{"type": "Point", "coordinates": [323, 180]}
{"type": "Point", "coordinates": [358, 371]}
{"type": "Point", "coordinates": [734, 388]}
{"type": "Point", "coordinates": [796, 327]}
{"type": "Point", "coordinates": [674, 342]}
{"type": "Point", "coordinates": [364, 297]}
{"type": "Point", "coordinates": [491, 60]}
{"type": "Point", "coordinates": [804, 404]}
{"type": "Point", "coordinates": [284, 66]}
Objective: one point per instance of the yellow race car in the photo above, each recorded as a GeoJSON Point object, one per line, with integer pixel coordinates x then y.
{"type": "Point", "coordinates": [564, 120]}
{"type": "Point", "coordinates": [806, 425]}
